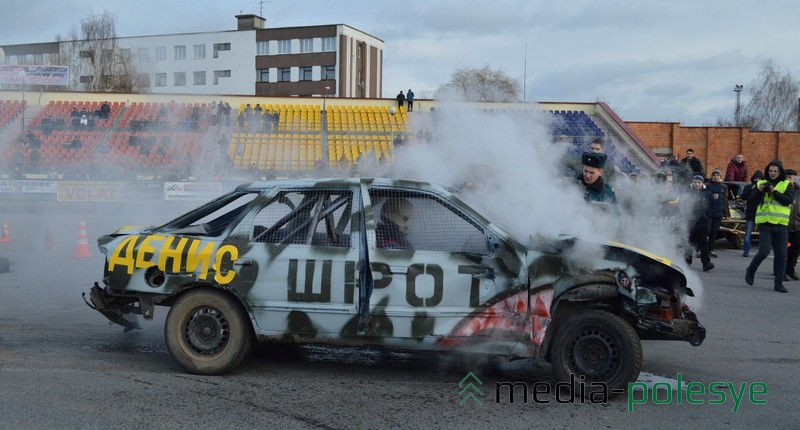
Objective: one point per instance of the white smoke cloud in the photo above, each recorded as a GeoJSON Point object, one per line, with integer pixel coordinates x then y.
{"type": "Point", "coordinates": [511, 171]}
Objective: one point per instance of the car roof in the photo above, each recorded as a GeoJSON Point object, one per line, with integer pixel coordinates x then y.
{"type": "Point", "coordinates": [339, 182]}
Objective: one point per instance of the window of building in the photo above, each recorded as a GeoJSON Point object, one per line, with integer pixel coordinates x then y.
{"type": "Point", "coordinates": [262, 75]}
{"type": "Point", "coordinates": [262, 48]}
{"type": "Point", "coordinates": [125, 53]}
{"type": "Point", "coordinates": [199, 51]}
{"type": "Point", "coordinates": [161, 53]}
{"type": "Point", "coordinates": [305, 73]}
{"type": "Point", "coordinates": [284, 47]}
{"type": "Point", "coordinates": [221, 47]}
{"type": "Point", "coordinates": [200, 78]}
{"type": "Point", "coordinates": [328, 72]}
{"type": "Point", "coordinates": [180, 52]}
{"type": "Point", "coordinates": [144, 53]}
{"type": "Point", "coordinates": [106, 55]}
{"type": "Point", "coordinates": [86, 54]}
{"type": "Point", "coordinates": [306, 45]}
{"type": "Point", "coordinates": [328, 43]}
{"type": "Point", "coordinates": [179, 79]}
{"type": "Point", "coordinates": [86, 79]}
{"type": "Point", "coordinates": [160, 80]}
{"type": "Point", "coordinates": [221, 74]}
{"type": "Point", "coordinates": [284, 74]}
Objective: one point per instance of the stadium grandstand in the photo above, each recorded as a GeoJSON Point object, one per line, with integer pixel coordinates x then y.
{"type": "Point", "coordinates": [178, 136]}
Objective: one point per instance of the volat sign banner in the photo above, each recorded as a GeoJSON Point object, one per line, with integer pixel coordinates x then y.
{"type": "Point", "coordinates": [34, 75]}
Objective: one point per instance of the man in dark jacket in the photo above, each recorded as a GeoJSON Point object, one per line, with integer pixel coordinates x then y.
{"type": "Point", "coordinates": [751, 196]}
{"type": "Point", "coordinates": [719, 207]}
{"type": "Point", "coordinates": [595, 190]}
{"type": "Point", "coordinates": [772, 219]}
{"type": "Point", "coordinates": [794, 227]}
{"type": "Point", "coordinates": [696, 205]}
{"type": "Point", "coordinates": [689, 167]}
{"type": "Point", "coordinates": [737, 169]}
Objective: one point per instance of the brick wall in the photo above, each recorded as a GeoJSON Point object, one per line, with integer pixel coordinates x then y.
{"type": "Point", "coordinates": [715, 146]}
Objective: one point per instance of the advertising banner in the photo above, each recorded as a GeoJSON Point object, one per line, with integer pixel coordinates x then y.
{"type": "Point", "coordinates": [34, 75]}
{"type": "Point", "coordinates": [202, 191]}
{"type": "Point", "coordinates": [28, 189]}
{"type": "Point", "coordinates": [84, 191]}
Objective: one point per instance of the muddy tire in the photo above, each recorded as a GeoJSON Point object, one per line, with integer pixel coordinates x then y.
{"type": "Point", "coordinates": [207, 332]}
{"type": "Point", "coordinates": [596, 346]}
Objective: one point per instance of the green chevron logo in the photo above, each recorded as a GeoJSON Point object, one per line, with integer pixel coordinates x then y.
{"type": "Point", "coordinates": [469, 389]}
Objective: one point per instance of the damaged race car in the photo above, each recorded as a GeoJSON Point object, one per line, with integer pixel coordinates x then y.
{"type": "Point", "coordinates": [403, 264]}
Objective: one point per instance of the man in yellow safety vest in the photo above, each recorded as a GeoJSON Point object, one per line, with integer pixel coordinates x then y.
{"type": "Point", "coordinates": [772, 218]}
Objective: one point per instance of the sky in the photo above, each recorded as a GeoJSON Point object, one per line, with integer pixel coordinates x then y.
{"type": "Point", "coordinates": [650, 61]}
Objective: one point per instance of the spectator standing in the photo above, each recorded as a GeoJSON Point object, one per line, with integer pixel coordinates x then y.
{"type": "Point", "coordinates": [400, 99]}
{"type": "Point", "coordinates": [737, 169]}
{"type": "Point", "coordinates": [794, 228]}
{"type": "Point", "coordinates": [750, 195]}
{"type": "Point", "coordinates": [697, 204]}
{"type": "Point", "coordinates": [772, 218]}
{"type": "Point", "coordinates": [689, 167]}
{"type": "Point", "coordinates": [410, 99]}
{"type": "Point", "coordinates": [719, 207]}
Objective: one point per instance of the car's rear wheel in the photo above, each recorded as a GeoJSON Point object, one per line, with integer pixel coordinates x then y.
{"type": "Point", "coordinates": [596, 346]}
{"type": "Point", "coordinates": [207, 332]}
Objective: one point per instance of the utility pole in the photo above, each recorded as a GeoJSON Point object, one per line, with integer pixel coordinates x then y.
{"type": "Point", "coordinates": [738, 110]}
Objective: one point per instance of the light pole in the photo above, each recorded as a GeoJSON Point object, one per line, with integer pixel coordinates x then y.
{"type": "Point", "coordinates": [738, 110]}
{"type": "Point", "coordinates": [325, 96]}
{"type": "Point", "coordinates": [392, 111]}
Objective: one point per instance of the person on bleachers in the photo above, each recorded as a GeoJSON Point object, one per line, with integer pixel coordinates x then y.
{"type": "Point", "coordinates": [214, 117]}
{"type": "Point", "coordinates": [74, 113]}
{"type": "Point", "coordinates": [34, 142]}
{"type": "Point", "coordinates": [75, 143]}
{"type": "Point", "coordinates": [410, 99]}
{"type": "Point", "coordinates": [105, 110]}
{"type": "Point", "coordinates": [240, 119]}
{"type": "Point", "coordinates": [34, 157]}
{"type": "Point", "coordinates": [227, 114]}
{"type": "Point", "coordinates": [48, 125]}
{"type": "Point", "coordinates": [401, 98]}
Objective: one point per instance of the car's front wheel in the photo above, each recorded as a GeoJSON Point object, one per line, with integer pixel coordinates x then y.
{"type": "Point", "coordinates": [596, 347]}
{"type": "Point", "coordinates": [207, 332]}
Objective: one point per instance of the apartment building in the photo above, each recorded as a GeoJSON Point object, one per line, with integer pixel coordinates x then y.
{"type": "Point", "coordinates": [324, 60]}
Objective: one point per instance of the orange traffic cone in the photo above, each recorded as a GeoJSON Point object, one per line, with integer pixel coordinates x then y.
{"type": "Point", "coordinates": [82, 247]}
{"type": "Point", "coordinates": [48, 240]}
{"type": "Point", "coordinates": [5, 237]}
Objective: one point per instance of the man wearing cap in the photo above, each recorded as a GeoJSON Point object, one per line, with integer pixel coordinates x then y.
{"type": "Point", "coordinates": [696, 205]}
{"type": "Point", "coordinates": [595, 190]}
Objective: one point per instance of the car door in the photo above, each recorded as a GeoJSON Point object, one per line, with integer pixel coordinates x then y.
{"type": "Point", "coordinates": [433, 266]}
{"type": "Point", "coordinates": [299, 265]}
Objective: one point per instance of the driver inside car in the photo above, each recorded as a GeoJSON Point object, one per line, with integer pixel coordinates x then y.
{"type": "Point", "coordinates": [395, 224]}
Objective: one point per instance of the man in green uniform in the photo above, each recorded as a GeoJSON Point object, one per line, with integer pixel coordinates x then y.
{"type": "Point", "coordinates": [595, 189]}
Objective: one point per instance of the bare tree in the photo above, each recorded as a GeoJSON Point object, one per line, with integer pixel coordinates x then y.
{"type": "Point", "coordinates": [772, 101]}
{"type": "Point", "coordinates": [484, 84]}
{"type": "Point", "coordinates": [96, 63]}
